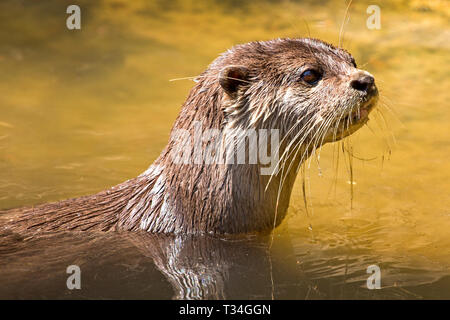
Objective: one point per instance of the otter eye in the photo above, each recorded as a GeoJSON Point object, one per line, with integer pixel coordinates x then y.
{"type": "Point", "coordinates": [311, 76]}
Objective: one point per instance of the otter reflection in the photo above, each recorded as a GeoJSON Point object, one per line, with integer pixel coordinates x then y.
{"type": "Point", "coordinates": [208, 267]}
{"type": "Point", "coordinates": [140, 265]}
{"type": "Point", "coordinates": [135, 265]}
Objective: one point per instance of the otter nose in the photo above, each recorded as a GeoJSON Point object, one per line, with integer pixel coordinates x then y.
{"type": "Point", "coordinates": [362, 82]}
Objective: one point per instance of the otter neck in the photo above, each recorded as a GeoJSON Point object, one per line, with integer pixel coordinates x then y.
{"type": "Point", "coordinates": [208, 198]}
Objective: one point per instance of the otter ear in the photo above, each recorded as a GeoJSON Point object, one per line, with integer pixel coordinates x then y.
{"type": "Point", "coordinates": [232, 77]}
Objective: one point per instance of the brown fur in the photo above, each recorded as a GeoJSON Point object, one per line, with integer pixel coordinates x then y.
{"type": "Point", "coordinates": [218, 198]}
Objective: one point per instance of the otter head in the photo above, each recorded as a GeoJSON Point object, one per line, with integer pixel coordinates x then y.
{"type": "Point", "coordinates": [309, 90]}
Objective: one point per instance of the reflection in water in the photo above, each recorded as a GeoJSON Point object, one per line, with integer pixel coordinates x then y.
{"type": "Point", "coordinates": [82, 111]}
{"type": "Point", "coordinates": [146, 266]}
{"type": "Point", "coordinates": [196, 267]}
{"type": "Point", "coordinates": [210, 268]}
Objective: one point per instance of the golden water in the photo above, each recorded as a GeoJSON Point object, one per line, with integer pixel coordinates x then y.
{"type": "Point", "coordinates": [83, 110]}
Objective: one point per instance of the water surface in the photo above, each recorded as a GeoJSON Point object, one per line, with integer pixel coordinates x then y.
{"type": "Point", "coordinates": [81, 111]}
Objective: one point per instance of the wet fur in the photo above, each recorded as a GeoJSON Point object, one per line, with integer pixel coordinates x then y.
{"type": "Point", "coordinates": [219, 198]}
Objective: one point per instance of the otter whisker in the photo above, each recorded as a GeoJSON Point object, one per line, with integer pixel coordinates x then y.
{"type": "Point", "coordinates": [286, 152]}
{"type": "Point", "coordinates": [384, 136]}
{"type": "Point", "coordinates": [350, 162]}
{"type": "Point", "coordinates": [318, 140]}
{"type": "Point", "coordinates": [359, 158]}
{"type": "Point", "coordinates": [320, 134]}
{"type": "Point", "coordinates": [380, 112]}
{"type": "Point", "coordinates": [305, 201]}
{"type": "Point", "coordinates": [322, 141]}
{"type": "Point", "coordinates": [205, 77]}
{"type": "Point", "coordinates": [324, 123]}
{"type": "Point", "coordinates": [283, 177]}
{"type": "Point", "coordinates": [281, 159]}
{"type": "Point", "coordinates": [341, 31]}
{"type": "Point", "coordinates": [296, 149]}
{"type": "Point", "coordinates": [336, 154]}
{"type": "Point", "coordinates": [185, 78]}
{"type": "Point", "coordinates": [384, 104]}
{"type": "Point", "coordinates": [307, 27]}
{"type": "Point", "coordinates": [337, 124]}
{"type": "Point", "coordinates": [336, 171]}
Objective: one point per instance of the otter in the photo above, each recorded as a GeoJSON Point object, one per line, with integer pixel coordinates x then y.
{"type": "Point", "coordinates": [310, 91]}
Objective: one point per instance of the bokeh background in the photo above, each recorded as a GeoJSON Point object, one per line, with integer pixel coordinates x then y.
{"type": "Point", "coordinates": [83, 110]}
